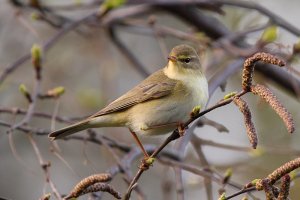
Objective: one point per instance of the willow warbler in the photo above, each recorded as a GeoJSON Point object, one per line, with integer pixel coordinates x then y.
{"type": "Point", "coordinates": [158, 104]}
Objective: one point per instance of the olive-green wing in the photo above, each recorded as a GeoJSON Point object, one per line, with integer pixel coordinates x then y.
{"type": "Point", "coordinates": [155, 86]}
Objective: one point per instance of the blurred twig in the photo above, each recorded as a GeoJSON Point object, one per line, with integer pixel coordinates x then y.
{"type": "Point", "coordinates": [45, 166]}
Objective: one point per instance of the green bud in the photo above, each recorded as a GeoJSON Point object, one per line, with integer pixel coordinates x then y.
{"type": "Point", "coordinates": [222, 197]}
{"type": "Point", "coordinates": [269, 35]}
{"type": "Point", "coordinates": [227, 175]}
{"type": "Point", "coordinates": [228, 172]}
{"type": "Point", "coordinates": [229, 95]}
{"type": "Point", "coordinates": [56, 92]}
{"type": "Point", "coordinates": [36, 57]}
{"type": "Point", "coordinates": [253, 182]}
{"type": "Point", "coordinates": [23, 89]}
{"type": "Point", "coordinates": [150, 161]}
{"type": "Point", "coordinates": [36, 52]}
{"type": "Point", "coordinates": [46, 196]}
{"type": "Point", "coordinates": [111, 4]}
{"type": "Point", "coordinates": [196, 110]}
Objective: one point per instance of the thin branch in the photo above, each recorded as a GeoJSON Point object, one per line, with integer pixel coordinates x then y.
{"type": "Point", "coordinates": [254, 6]}
{"type": "Point", "coordinates": [127, 52]}
{"type": "Point", "coordinates": [46, 46]}
{"type": "Point", "coordinates": [45, 166]}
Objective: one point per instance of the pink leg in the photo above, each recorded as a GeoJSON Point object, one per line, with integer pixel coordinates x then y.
{"type": "Point", "coordinates": [139, 143]}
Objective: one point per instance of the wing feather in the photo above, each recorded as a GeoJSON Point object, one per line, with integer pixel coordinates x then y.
{"type": "Point", "coordinates": [155, 86]}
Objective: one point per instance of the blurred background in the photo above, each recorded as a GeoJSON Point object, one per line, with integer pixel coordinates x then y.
{"type": "Point", "coordinates": [93, 70]}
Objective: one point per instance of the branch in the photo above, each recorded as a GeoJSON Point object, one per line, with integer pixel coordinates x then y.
{"type": "Point", "coordinates": [46, 46]}
{"type": "Point", "coordinates": [254, 6]}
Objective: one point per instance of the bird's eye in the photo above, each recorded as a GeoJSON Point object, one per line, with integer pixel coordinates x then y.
{"type": "Point", "coordinates": [186, 60]}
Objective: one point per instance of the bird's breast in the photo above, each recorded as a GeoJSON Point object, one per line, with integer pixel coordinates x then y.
{"type": "Point", "coordinates": [162, 115]}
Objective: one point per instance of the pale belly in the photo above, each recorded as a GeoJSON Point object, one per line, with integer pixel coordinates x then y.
{"type": "Point", "coordinates": [161, 117]}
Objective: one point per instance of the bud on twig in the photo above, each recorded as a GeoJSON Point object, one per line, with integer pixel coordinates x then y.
{"type": "Point", "coordinates": [229, 95]}
{"type": "Point", "coordinates": [46, 197]}
{"type": "Point", "coordinates": [36, 57]}
{"type": "Point", "coordinates": [109, 5]}
{"type": "Point", "coordinates": [222, 197]}
{"type": "Point", "coordinates": [196, 110]}
{"type": "Point", "coordinates": [269, 35]}
{"type": "Point", "coordinates": [25, 92]}
{"type": "Point", "coordinates": [227, 176]}
{"type": "Point", "coordinates": [251, 132]}
{"type": "Point", "coordinates": [276, 105]}
{"type": "Point", "coordinates": [56, 92]}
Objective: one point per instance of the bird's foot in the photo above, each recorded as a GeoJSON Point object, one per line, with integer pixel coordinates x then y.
{"type": "Point", "coordinates": [146, 162]}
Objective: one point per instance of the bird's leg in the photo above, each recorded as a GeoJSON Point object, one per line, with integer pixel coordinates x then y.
{"type": "Point", "coordinates": [146, 156]}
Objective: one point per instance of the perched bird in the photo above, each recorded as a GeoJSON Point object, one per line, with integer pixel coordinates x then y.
{"type": "Point", "coordinates": [157, 105]}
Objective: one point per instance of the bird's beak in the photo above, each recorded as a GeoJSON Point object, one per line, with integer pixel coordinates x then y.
{"type": "Point", "coordinates": [172, 58]}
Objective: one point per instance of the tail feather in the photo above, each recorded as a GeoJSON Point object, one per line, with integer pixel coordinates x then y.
{"type": "Point", "coordinates": [69, 130]}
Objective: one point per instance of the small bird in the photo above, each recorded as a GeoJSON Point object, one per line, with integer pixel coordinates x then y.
{"type": "Point", "coordinates": [159, 104]}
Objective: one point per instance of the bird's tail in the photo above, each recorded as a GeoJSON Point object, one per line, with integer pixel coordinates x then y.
{"type": "Point", "coordinates": [69, 130]}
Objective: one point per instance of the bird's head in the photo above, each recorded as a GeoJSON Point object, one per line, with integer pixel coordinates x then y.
{"type": "Point", "coordinates": [185, 58]}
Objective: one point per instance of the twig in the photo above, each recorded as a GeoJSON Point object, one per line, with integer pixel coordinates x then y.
{"type": "Point", "coordinates": [19, 111]}
{"type": "Point", "coordinates": [125, 51]}
{"type": "Point", "coordinates": [179, 183]}
{"type": "Point", "coordinates": [31, 107]}
{"type": "Point", "coordinates": [26, 129]}
{"type": "Point", "coordinates": [254, 6]}
{"type": "Point", "coordinates": [204, 164]}
{"type": "Point", "coordinates": [198, 140]}
{"type": "Point", "coordinates": [45, 166]}
{"type": "Point", "coordinates": [46, 46]}
{"type": "Point", "coordinates": [242, 191]}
